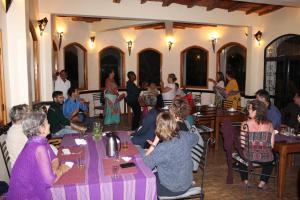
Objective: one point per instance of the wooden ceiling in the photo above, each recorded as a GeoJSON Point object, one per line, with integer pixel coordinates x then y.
{"type": "Point", "coordinates": [83, 19]}
{"type": "Point", "coordinates": [229, 5]}
{"type": "Point", "coordinates": [176, 25]}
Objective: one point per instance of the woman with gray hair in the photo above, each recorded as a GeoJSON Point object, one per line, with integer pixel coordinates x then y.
{"type": "Point", "coordinates": [36, 168]}
{"type": "Point", "coordinates": [16, 139]}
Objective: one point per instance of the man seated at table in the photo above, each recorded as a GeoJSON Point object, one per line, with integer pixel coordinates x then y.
{"type": "Point", "coordinates": [291, 112]}
{"type": "Point", "coordinates": [75, 109]}
{"type": "Point", "coordinates": [147, 130]}
{"type": "Point", "coordinates": [59, 125]}
{"type": "Point", "coordinates": [273, 113]}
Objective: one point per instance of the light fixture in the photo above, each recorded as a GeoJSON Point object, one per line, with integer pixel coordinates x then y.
{"type": "Point", "coordinates": [42, 24]}
{"type": "Point", "coordinates": [170, 41]}
{"type": "Point", "coordinates": [213, 39]}
{"type": "Point", "coordinates": [129, 46]}
{"type": "Point", "coordinates": [92, 42]}
{"type": "Point", "coordinates": [60, 36]}
{"type": "Point", "coordinates": [258, 36]}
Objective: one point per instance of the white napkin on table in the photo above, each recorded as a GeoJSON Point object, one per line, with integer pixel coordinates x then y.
{"type": "Point", "coordinates": [126, 159]}
{"type": "Point", "coordinates": [66, 151]}
{"type": "Point", "coordinates": [69, 164]}
{"type": "Point", "coordinates": [80, 141]}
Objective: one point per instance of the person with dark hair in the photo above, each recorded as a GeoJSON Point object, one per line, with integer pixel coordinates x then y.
{"type": "Point", "coordinates": [258, 122]}
{"type": "Point", "coordinates": [74, 108]}
{"type": "Point", "coordinates": [132, 99]}
{"type": "Point", "coordinates": [273, 113]}
{"type": "Point", "coordinates": [62, 83]}
{"type": "Point", "coordinates": [171, 156]}
{"type": "Point", "coordinates": [112, 100]}
{"type": "Point", "coordinates": [220, 82]}
{"type": "Point", "coordinates": [168, 91]}
{"type": "Point", "coordinates": [291, 112]}
{"type": "Point", "coordinates": [147, 129]}
{"type": "Point", "coordinates": [232, 86]}
{"type": "Point", "coordinates": [59, 124]}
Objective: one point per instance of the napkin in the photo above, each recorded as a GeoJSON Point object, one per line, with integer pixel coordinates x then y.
{"type": "Point", "coordinates": [80, 141]}
{"type": "Point", "coordinates": [69, 164]}
{"type": "Point", "coordinates": [126, 158]}
{"type": "Point", "coordinates": [66, 151]}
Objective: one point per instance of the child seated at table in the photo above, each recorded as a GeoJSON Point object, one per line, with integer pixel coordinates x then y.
{"type": "Point", "coordinates": [171, 157]}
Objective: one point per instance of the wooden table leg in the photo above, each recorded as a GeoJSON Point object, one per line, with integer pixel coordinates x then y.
{"type": "Point", "coordinates": [281, 174]}
{"type": "Point", "coordinates": [217, 132]}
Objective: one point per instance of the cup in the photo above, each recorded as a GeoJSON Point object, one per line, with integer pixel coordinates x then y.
{"type": "Point", "coordinates": [125, 145]}
{"type": "Point", "coordinates": [115, 171]}
{"type": "Point", "coordinates": [80, 162]}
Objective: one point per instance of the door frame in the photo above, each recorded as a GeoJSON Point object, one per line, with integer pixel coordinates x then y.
{"type": "Point", "coordinates": [2, 87]}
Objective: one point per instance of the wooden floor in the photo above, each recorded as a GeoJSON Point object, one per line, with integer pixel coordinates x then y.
{"type": "Point", "coordinates": [215, 179]}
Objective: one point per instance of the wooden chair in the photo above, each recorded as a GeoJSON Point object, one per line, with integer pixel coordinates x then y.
{"type": "Point", "coordinates": [55, 142]}
{"type": "Point", "coordinates": [196, 192]}
{"type": "Point", "coordinates": [226, 104]}
{"type": "Point", "coordinates": [4, 151]}
{"type": "Point", "coordinates": [206, 120]}
{"type": "Point", "coordinates": [167, 102]}
{"type": "Point", "coordinates": [98, 104]}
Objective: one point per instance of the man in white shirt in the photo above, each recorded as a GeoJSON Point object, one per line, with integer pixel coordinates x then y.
{"type": "Point", "coordinates": [16, 138]}
{"type": "Point", "coordinates": [62, 83]}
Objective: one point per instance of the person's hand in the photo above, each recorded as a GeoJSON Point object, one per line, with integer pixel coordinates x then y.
{"type": "Point", "coordinates": [210, 79]}
{"type": "Point", "coordinates": [64, 168]}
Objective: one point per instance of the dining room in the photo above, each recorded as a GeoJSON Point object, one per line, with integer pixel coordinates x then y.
{"type": "Point", "coordinates": [220, 57]}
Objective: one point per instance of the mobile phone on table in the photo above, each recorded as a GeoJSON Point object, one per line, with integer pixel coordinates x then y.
{"type": "Point", "coordinates": [126, 165]}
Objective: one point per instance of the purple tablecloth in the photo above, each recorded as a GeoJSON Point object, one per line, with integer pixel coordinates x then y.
{"type": "Point", "coordinates": [287, 139]}
{"type": "Point", "coordinates": [140, 185]}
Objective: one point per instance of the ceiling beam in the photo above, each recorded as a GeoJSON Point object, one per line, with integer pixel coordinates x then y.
{"type": "Point", "coordinates": [143, 1]}
{"type": "Point", "coordinates": [167, 3]}
{"type": "Point", "coordinates": [270, 10]}
{"type": "Point", "coordinates": [116, 1]}
{"type": "Point", "coordinates": [212, 5]}
{"type": "Point", "coordinates": [255, 8]}
{"type": "Point", "coordinates": [149, 26]}
{"type": "Point", "coordinates": [235, 6]}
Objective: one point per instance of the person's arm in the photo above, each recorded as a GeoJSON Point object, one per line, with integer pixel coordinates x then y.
{"type": "Point", "coordinates": [273, 135]}
{"type": "Point", "coordinates": [213, 81]}
{"type": "Point", "coordinates": [152, 145]}
{"type": "Point", "coordinates": [298, 118]}
{"type": "Point", "coordinates": [192, 138]}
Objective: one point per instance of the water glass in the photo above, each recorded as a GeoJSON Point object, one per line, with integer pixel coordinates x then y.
{"type": "Point", "coordinates": [115, 171]}
{"type": "Point", "coordinates": [80, 162]}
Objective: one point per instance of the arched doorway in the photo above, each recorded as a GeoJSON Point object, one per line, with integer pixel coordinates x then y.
{"type": "Point", "coordinates": [33, 71]}
{"type": "Point", "coordinates": [232, 57]}
{"type": "Point", "coordinates": [149, 66]}
{"type": "Point", "coordinates": [111, 58]}
{"type": "Point", "coordinates": [75, 65]}
{"type": "Point", "coordinates": [282, 68]}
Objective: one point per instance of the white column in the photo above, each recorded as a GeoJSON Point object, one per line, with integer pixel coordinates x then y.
{"type": "Point", "coordinates": [255, 63]}
{"type": "Point", "coordinates": [46, 60]}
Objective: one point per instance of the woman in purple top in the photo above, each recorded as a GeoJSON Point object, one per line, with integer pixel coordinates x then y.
{"type": "Point", "coordinates": [36, 168]}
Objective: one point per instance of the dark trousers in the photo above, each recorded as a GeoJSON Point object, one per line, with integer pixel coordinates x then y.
{"type": "Point", "coordinates": [163, 191]}
{"type": "Point", "coordinates": [3, 187]}
{"type": "Point", "coordinates": [267, 169]}
{"type": "Point", "coordinates": [136, 109]}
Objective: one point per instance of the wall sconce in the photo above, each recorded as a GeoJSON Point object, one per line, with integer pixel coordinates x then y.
{"type": "Point", "coordinates": [258, 37]}
{"type": "Point", "coordinates": [60, 36]}
{"type": "Point", "coordinates": [129, 46]}
{"type": "Point", "coordinates": [213, 43]}
{"type": "Point", "coordinates": [170, 41]}
{"type": "Point", "coordinates": [42, 25]}
{"type": "Point", "coordinates": [92, 42]}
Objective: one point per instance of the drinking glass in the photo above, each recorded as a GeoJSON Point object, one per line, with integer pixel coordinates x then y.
{"type": "Point", "coordinates": [96, 130]}
{"type": "Point", "coordinates": [125, 145]}
{"type": "Point", "coordinates": [80, 162]}
{"type": "Point", "coordinates": [115, 171]}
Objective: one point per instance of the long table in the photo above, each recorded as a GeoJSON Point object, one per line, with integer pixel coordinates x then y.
{"type": "Point", "coordinates": [92, 182]}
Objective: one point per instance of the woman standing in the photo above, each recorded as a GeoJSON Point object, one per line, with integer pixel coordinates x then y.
{"type": "Point", "coordinates": [220, 82]}
{"type": "Point", "coordinates": [232, 90]}
{"type": "Point", "coordinates": [168, 91]}
{"type": "Point", "coordinates": [36, 168]}
{"type": "Point", "coordinates": [132, 98]}
{"type": "Point", "coordinates": [112, 100]}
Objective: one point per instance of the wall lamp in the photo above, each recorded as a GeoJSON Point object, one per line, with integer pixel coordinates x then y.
{"type": "Point", "coordinates": [213, 44]}
{"type": "Point", "coordinates": [42, 25]}
{"type": "Point", "coordinates": [129, 46]}
{"type": "Point", "coordinates": [92, 42]}
{"type": "Point", "coordinates": [60, 36]}
{"type": "Point", "coordinates": [258, 36]}
{"type": "Point", "coordinates": [170, 42]}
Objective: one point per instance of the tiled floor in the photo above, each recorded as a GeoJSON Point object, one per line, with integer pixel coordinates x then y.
{"type": "Point", "coordinates": [215, 179]}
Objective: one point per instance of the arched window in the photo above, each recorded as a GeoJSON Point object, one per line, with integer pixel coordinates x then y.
{"type": "Point", "coordinates": [232, 57]}
{"type": "Point", "coordinates": [111, 58]}
{"type": "Point", "coordinates": [75, 65]}
{"type": "Point", "coordinates": [194, 62]}
{"type": "Point", "coordinates": [282, 68]}
{"type": "Point", "coordinates": [149, 66]}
